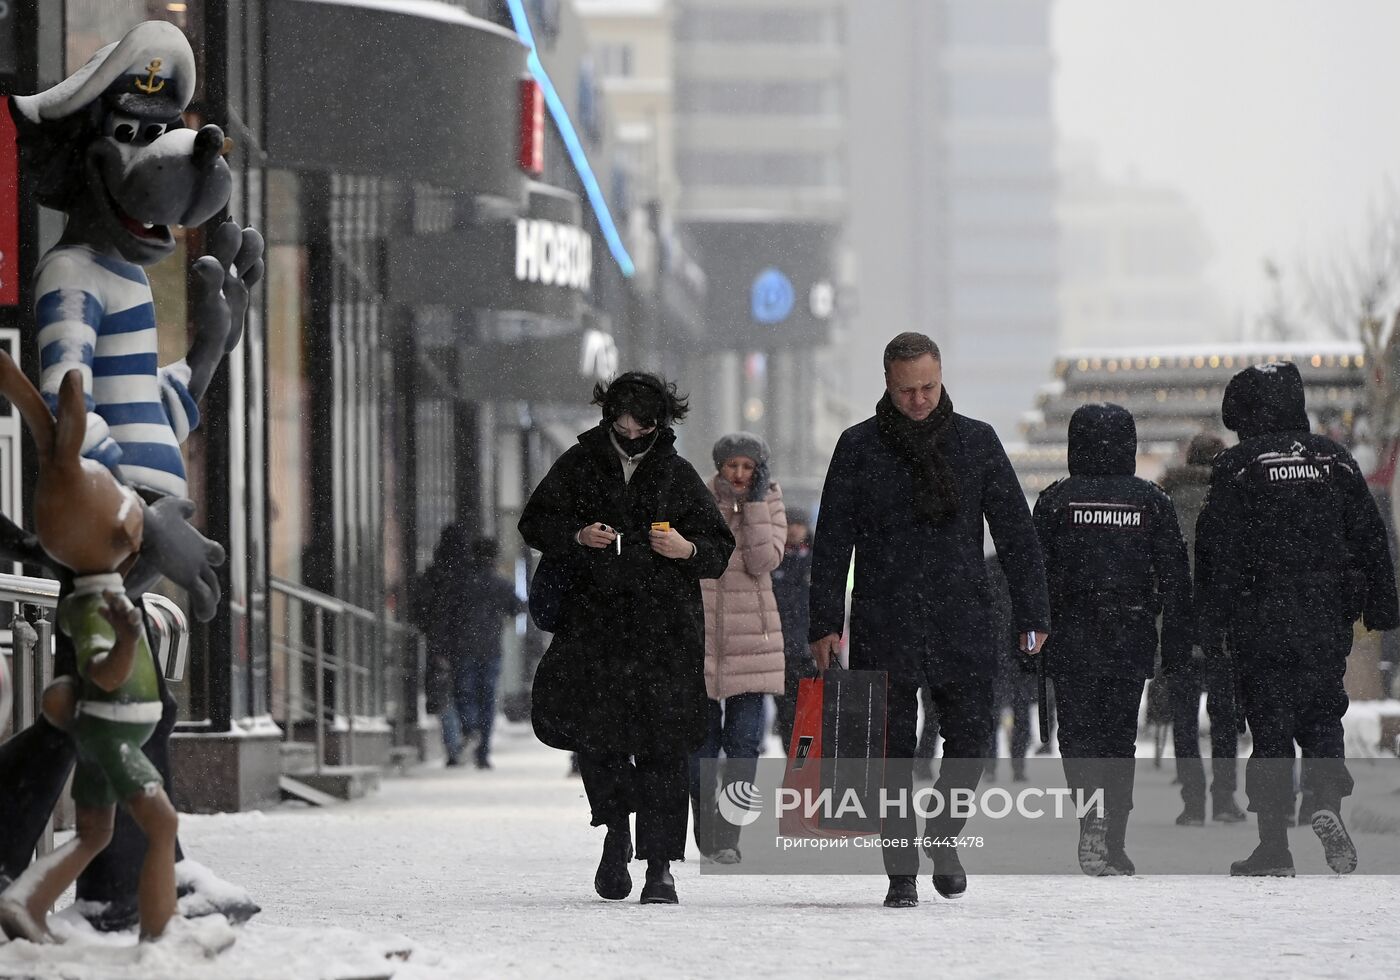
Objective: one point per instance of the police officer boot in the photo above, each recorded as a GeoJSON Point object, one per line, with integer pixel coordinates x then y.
{"type": "Point", "coordinates": [1272, 857]}
{"type": "Point", "coordinates": [1336, 842]}
{"type": "Point", "coordinates": [903, 893]}
{"type": "Point", "coordinates": [612, 880]}
{"type": "Point", "coordinates": [1093, 844]}
{"type": "Point", "coordinates": [660, 887]}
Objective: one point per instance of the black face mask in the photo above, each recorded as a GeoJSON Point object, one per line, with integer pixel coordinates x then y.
{"type": "Point", "coordinates": [634, 447]}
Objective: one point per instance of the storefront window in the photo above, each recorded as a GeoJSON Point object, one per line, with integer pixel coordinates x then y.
{"type": "Point", "coordinates": [92, 24]}
{"type": "Point", "coordinates": [289, 414]}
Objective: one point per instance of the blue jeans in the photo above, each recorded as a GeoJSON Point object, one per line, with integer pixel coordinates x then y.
{"type": "Point", "coordinates": [473, 706]}
{"type": "Point", "coordinates": [736, 728]}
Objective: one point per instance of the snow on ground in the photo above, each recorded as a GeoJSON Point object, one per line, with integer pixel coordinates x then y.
{"type": "Point", "coordinates": [459, 873]}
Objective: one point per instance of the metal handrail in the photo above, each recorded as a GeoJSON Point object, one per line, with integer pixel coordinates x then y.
{"type": "Point", "coordinates": [27, 588]}
{"type": "Point", "coordinates": [170, 640]}
{"type": "Point", "coordinates": [316, 598]}
{"type": "Point", "coordinates": [354, 655]}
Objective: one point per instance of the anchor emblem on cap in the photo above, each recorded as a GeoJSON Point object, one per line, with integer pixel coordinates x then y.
{"type": "Point", "coordinates": [150, 85]}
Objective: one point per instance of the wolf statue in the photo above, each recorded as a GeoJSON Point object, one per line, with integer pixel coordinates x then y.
{"type": "Point", "coordinates": [109, 148]}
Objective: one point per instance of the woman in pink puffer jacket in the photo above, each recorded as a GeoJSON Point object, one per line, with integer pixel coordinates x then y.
{"type": "Point", "coordinates": [743, 634]}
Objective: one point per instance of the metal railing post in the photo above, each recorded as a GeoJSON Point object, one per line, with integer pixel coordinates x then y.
{"type": "Point", "coordinates": [22, 673]}
{"type": "Point", "coordinates": [351, 650]}
{"type": "Point", "coordinates": [287, 668]}
{"type": "Point", "coordinates": [319, 615]}
{"type": "Point", "coordinates": [43, 676]}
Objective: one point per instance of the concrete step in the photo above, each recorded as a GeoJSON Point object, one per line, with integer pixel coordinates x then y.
{"type": "Point", "coordinates": [295, 789]}
{"type": "Point", "coordinates": [297, 756]}
{"type": "Point", "coordinates": [342, 782]}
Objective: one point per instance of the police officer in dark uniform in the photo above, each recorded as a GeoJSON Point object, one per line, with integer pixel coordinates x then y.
{"type": "Point", "coordinates": [1290, 551]}
{"type": "Point", "coordinates": [1115, 559]}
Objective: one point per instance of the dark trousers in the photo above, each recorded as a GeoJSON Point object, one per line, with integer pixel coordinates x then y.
{"type": "Point", "coordinates": [1098, 741]}
{"type": "Point", "coordinates": [654, 787]}
{"type": "Point", "coordinates": [736, 729]}
{"type": "Point", "coordinates": [1185, 693]}
{"type": "Point", "coordinates": [474, 681]}
{"type": "Point", "coordinates": [964, 707]}
{"type": "Point", "coordinates": [1302, 706]}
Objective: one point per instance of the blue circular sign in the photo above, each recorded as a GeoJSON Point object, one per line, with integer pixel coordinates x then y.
{"type": "Point", "coordinates": [772, 297]}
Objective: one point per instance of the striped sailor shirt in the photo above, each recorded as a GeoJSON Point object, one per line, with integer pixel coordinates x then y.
{"type": "Point", "coordinates": [96, 314]}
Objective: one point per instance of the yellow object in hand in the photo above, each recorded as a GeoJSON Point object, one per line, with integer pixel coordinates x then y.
{"type": "Point", "coordinates": [661, 525]}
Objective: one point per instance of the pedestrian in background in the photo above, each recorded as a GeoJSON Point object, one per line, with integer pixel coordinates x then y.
{"type": "Point", "coordinates": [1187, 485]}
{"type": "Point", "coordinates": [1115, 559]}
{"type": "Point", "coordinates": [744, 651]}
{"type": "Point", "coordinates": [429, 614]}
{"type": "Point", "coordinates": [1290, 552]}
{"type": "Point", "coordinates": [473, 607]}
{"type": "Point", "coordinates": [633, 529]}
{"type": "Point", "coordinates": [792, 586]}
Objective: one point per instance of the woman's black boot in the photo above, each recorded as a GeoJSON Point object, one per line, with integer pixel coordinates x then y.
{"type": "Point", "coordinates": [613, 881]}
{"type": "Point", "coordinates": [660, 887]}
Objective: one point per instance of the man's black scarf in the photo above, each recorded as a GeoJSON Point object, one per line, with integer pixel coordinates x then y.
{"type": "Point", "coordinates": [935, 492]}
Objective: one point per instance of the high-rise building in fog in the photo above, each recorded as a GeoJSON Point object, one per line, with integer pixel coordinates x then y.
{"type": "Point", "coordinates": [761, 143]}
{"type": "Point", "coordinates": [1135, 260]}
{"type": "Point", "coordinates": [953, 194]}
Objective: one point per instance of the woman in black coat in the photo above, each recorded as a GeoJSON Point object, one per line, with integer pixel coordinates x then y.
{"type": "Point", "coordinates": [623, 683]}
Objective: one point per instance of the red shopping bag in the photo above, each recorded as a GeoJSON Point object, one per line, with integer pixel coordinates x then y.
{"type": "Point", "coordinates": [837, 755]}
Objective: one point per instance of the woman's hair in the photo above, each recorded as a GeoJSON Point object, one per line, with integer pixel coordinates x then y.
{"type": "Point", "coordinates": [649, 399]}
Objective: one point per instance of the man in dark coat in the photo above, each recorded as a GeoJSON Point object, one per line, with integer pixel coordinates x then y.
{"type": "Point", "coordinates": [1115, 559]}
{"type": "Point", "coordinates": [1290, 552]}
{"type": "Point", "coordinates": [792, 585]}
{"type": "Point", "coordinates": [907, 491]}
{"type": "Point", "coordinates": [623, 682]}
{"type": "Point", "coordinates": [1187, 485]}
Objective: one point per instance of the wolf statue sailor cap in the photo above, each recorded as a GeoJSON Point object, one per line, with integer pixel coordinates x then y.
{"type": "Point", "coordinates": [150, 72]}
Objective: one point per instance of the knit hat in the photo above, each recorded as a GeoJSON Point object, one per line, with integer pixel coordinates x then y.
{"type": "Point", "coordinates": [741, 444]}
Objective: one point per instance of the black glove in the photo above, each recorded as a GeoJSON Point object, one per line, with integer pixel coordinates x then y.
{"type": "Point", "coordinates": [760, 484]}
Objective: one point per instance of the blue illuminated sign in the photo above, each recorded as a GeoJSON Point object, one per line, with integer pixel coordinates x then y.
{"type": "Point", "coordinates": [772, 297]}
{"type": "Point", "coordinates": [572, 142]}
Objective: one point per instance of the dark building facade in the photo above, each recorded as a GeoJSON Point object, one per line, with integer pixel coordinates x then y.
{"type": "Point", "coordinates": [446, 279]}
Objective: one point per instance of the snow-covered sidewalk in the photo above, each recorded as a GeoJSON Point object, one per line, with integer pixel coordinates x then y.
{"type": "Point", "coordinates": [460, 873]}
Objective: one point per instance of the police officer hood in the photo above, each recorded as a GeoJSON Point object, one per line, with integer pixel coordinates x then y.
{"type": "Point", "coordinates": [1265, 398]}
{"type": "Point", "coordinates": [1102, 441]}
